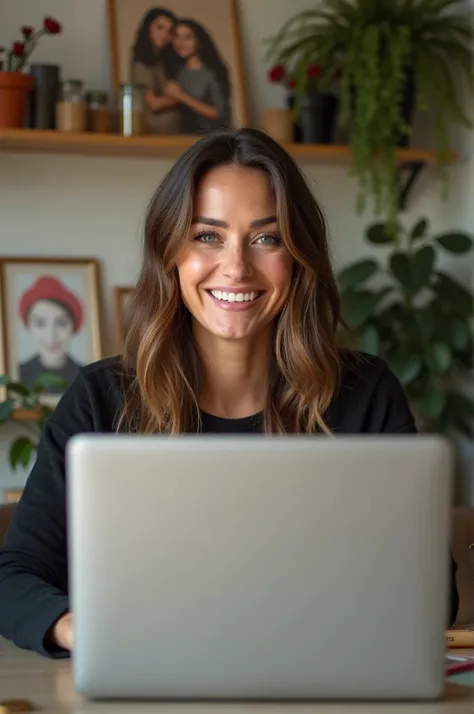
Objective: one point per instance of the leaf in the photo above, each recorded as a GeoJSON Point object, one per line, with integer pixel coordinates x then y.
{"type": "Point", "coordinates": [370, 340]}
{"type": "Point", "coordinates": [4, 379]}
{"type": "Point", "coordinates": [18, 388]}
{"type": "Point", "coordinates": [455, 242]}
{"type": "Point", "coordinates": [407, 367]}
{"type": "Point", "coordinates": [358, 306]}
{"type": "Point", "coordinates": [452, 293]}
{"type": "Point", "coordinates": [401, 269]}
{"type": "Point", "coordinates": [48, 381]}
{"type": "Point", "coordinates": [432, 404]}
{"type": "Point", "coordinates": [422, 267]}
{"type": "Point", "coordinates": [459, 333]}
{"type": "Point", "coordinates": [357, 273]}
{"type": "Point", "coordinates": [6, 409]}
{"type": "Point", "coordinates": [378, 233]}
{"type": "Point", "coordinates": [438, 357]}
{"type": "Point", "coordinates": [21, 451]}
{"type": "Point", "coordinates": [419, 230]}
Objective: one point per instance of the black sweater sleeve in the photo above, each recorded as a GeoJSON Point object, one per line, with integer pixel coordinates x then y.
{"type": "Point", "coordinates": [33, 558]}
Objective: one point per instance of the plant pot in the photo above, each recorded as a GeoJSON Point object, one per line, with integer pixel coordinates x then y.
{"type": "Point", "coordinates": [407, 107]}
{"type": "Point", "coordinates": [318, 118]}
{"type": "Point", "coordinates": [42, 104]}
{"type": "Point", "coordinates": [290, 102]}
{"type": "Point", "coordinates": [14, 90]}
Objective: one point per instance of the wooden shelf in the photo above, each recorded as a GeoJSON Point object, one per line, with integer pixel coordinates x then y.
{"type": "Point", "coordinates": [89, 144]}
{"type": "Point", "coordinates": [26, 414]}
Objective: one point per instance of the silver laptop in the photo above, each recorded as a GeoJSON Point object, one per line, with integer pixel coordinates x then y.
{"type": "Point", "coordinates": [252, 567]}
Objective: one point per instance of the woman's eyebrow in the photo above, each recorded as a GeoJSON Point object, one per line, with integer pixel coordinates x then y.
{"type": "Point", "coordinates": [258, 223]}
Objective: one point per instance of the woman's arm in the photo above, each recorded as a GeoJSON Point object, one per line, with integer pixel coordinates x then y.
{"type": "Point", "coordinates": [158, 103]}
{"type": "Point", "coordinates": [173, 90]}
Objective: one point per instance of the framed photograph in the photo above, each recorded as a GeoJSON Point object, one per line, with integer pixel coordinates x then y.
{"type": "Point", "coordinates": [121, 296]}
{"type": "Point", "coordinates": [187, 56]}
{"type": "Point", "coordinates": [50, 319]}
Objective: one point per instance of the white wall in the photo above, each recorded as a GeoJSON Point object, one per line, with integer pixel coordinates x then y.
{"type": "Point", "coordinates": [69, 206]}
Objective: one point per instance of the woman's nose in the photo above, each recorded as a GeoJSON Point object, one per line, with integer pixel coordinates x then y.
{"type": "Point", "coordinates": [236, 264]}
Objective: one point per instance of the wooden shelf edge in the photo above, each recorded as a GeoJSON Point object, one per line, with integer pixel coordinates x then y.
{"type": "Point", "coordinates": [26, 414]}
{"type": "Point", "coordinates": [91, 144]}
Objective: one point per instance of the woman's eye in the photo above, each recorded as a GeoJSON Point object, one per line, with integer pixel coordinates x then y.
{"type": "Point", "coordinates": [206, 237]}
{"type": "Point", "coordinates": [270, 239]}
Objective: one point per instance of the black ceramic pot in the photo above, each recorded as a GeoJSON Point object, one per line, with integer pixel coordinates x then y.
{"type": "Point", "coordinates": [318, 118]}
{"type": "Point", "coordinates": [41, 112]}
{"type": "Point", "coordinates": [290, 102]}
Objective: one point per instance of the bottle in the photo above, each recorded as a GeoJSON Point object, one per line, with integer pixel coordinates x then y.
{"type": "Point", "coordinates": [131, 109]}
{"type": "Point", "coordinates": [98, 112]}
{"type": "Point", "coordinates": [71, 109]}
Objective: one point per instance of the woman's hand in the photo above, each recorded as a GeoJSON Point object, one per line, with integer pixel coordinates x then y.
{"type": "Point", "coordinates": [62, 633]}
{"type": "Point", "coordinates": [173, 90]}
{"type": "Point", "coordinates": [157, 103]}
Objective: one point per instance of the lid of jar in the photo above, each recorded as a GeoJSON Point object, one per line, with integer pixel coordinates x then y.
{"type": "Point", "coordinates": [72, 84]}
{"type": "Point", "coordinates": [129, 86]}
{"type": "Point", "coordinates": [97, 97]}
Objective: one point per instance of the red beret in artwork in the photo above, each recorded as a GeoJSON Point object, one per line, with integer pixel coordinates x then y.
{"type": "Point", "coordinates": [49, 288]}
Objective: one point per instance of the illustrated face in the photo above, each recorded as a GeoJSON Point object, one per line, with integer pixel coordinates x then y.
{"type": "Point", "coordinates": [161, 30]}
{"type": "Point", "coordinates": [185, 42]}
{"type": "Point", "coordinates": [52, 328]}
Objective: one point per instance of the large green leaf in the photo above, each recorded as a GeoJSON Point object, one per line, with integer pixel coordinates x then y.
{"type": "Point", "coordinates": [378, 233]}
{"type": "Point", "coordinates": [18, 388]}
{"type": "Point", "coordinates": [407, 367]}
{"type": "Point", "coordinates": [49, 381]}
{"type": "Point", "coordinates": [432, 403]}
{"type": "Point", "coordinates": [400, 266]}
{"type": "Point", "coordinates": [21, 451]}
{"type": "Point", "coordinates": [459, 333]}
{"type": "Point", "coordinates": [357, 273]}
{"type": "Point", "coordinates": [419, 230]}
{"type": "Point", "coordinates": [358, 306]}
{"type": "Point", "coordinates": [455, 295]}
{"type": "Point", "coordinates": [370, 340]}
{"type": "Point", "coordinates": [6, 410]}
{"type": "Point", "coordinates": [422, 266]}
{"type": "Point", "coordinates": [455, 242]}
{"type": "Point", "coordinates": [438, 357]}
{"type": "Point", "coordinates": [4, 379]}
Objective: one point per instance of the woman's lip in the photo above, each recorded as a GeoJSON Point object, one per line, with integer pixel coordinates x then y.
{"type": "Point", "coordinates": [235, 306]}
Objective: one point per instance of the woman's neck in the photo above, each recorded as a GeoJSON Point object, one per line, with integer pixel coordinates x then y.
{"type": "Point", "coordinates": [194, 62]}
{"type": "Point", "coordinates": [235, 374]}
{"type": "Point", "coordinates": [53, 361]}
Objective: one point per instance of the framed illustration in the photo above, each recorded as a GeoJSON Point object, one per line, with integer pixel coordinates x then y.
{"type": "Point", "coordinates": [187, 56]}
{"type": "Point", "coordinates": [50, 319]}
{"type": "Point", "coordinates": [121, 296]}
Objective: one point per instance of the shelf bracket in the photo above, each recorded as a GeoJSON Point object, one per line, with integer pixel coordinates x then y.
{"type": "Point", "coordinates": [407, 176]}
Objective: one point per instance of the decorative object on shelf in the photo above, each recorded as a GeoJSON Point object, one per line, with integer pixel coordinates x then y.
{"type": "Point", "coordinates": [98, 112]}
{"type": "Point", "coordinates": [277, 123]}
{"type": "Point", "coordinates": [50, 318]}
{"type": "Point", "coordinates": [15, 85]}
{"type": "Point", "coordinates": [418, 318]}
{"type": "Point", "coordinates": [122, 295]}
{"type": "Point", "coordinates": [71, 108]}
{"type": "Point", "coordinates": [187, 55]}
{"type": "Point", "coordinates": [132, 109]}
{"type": "Point", "coordinates": [314, 110]}
{"type": "Point", "coordinates": [22, 405]}
{"type": "Point", "coordinates": [43, 98]}
{"type": "Point", "coordinates": [393, 56]}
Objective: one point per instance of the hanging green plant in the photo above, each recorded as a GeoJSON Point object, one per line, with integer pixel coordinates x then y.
{"type": "Point", "coordinates": [391, 57]}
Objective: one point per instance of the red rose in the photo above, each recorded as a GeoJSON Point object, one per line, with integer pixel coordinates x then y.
{"type": "Point", "coordinates": [27, 31]}
{"type": "Point", "coordinates": [292, 84]}
{"type": "Point", "coordinates": [276, 73]}
{"type": "Point", "coordinates": [314, 71]}
{"type": "Point", "coordinates": [18, 49]}
{"type": "Point", "coordinates": [52, 26]}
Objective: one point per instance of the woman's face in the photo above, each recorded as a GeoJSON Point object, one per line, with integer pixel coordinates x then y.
{"type": "Point", "coordinates": [184, 41]}
{"type": "Point", "coordinates": [234, 271]}
{"type": "Point", "coordinates": [51, 327]}
{"type": "Point", "coordinates": [161, 30]}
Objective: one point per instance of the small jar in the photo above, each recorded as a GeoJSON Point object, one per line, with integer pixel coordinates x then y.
{"type": "Point", "coordinates": [132, 105]}
{"type": "Point", "coordinates": [98, 112]}
{"type": "Point", "coordinates": [71, 109]}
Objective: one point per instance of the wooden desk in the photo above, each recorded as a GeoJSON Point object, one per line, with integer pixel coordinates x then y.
{"type": "Point", "coordinates": [48, 685]}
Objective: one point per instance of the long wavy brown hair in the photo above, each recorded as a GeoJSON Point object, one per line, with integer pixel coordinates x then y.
{"type": "Point", "coordinates": [162, 373]}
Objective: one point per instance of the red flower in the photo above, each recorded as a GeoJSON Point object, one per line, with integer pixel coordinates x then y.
{"type": "Point", "coordinates": [314, 71]}
{"type": "Point", "coordinates": [292, 84]}
{"type": "Point", "coordinates": [52, 26]}
{"type": "Point", "coordinates": [276, 73]}
{"type": "Point", "coordinates": [18, 49]}
{"type": "Point", "coordinates": [27, 31]}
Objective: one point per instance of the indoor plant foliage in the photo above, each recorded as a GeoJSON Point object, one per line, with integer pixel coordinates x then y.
{"type": "Point", "coordinates": [19, 397]}
{"type": "Point", "coordinates": [392, 56]}
{"type": "Point", "coordinates": [418, 318]}
{"type": "Point", "coordinates": [15, 58]}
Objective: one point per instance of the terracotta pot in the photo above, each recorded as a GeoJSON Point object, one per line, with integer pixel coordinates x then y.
{"type": "Point", "coordinates": [14, 90]}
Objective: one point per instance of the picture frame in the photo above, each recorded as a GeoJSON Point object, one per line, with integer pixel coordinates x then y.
{"type": "Point", "coordinates": [50, 319]}
{"type": "Point", "coordinates": [189, 62]}
{"type": "Point", "coordinates": [121, 295]}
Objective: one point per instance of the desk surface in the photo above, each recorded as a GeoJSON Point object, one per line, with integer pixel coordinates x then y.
{"type": "Point", "coordinates": [48, 684]}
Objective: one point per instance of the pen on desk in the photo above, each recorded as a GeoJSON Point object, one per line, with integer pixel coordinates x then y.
{"type": "Point", "coordinates": [460, 667]}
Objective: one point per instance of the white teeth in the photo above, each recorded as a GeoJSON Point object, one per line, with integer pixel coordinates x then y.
{"type": "Point", "coordinates": [234, 297]}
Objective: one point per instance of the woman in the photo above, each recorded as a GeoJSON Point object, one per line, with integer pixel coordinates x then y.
{"type": "Point", "coordinates": [52, 315]}
{"type": "Point", "coordinates": [154, 62]}
{"type": "Point", "coordinates": [233, 329]}
{"type": "Point", "coordinates": [202, 84]}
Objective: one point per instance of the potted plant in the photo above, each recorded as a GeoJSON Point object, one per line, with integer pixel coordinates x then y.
{"type": "Point", "coordinates": [393, 56]}
{"type": "Point", "coordinates": [15, 84]}
{"type": "Point", "coordinates": [314, 109]}
{"type": "Point", "coordinates": [23, 406]}
{"type": "Point", "coordinates": [409, 311]}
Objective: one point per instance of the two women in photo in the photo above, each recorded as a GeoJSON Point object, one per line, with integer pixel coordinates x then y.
{"type": "Point", "coordinates": [187, 83]}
